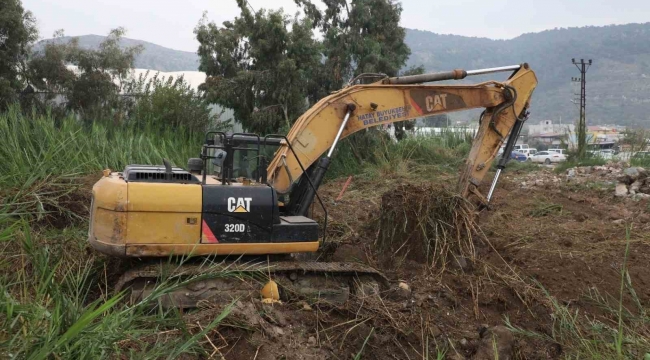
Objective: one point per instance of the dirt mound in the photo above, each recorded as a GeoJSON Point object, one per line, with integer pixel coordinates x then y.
{"type": "Point", "coordinates": [425, 223]}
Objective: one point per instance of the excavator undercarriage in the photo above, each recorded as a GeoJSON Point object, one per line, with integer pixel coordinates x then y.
{"type": "Point", "coordinates": [231, 202]}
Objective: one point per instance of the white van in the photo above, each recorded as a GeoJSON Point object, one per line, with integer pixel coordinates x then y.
{"type": "Point", "coordinates": [528, 152]}
{"type": "Point", "coordinates": [559, 151]}
{"type": "Point", "coordinates": [520, 147]}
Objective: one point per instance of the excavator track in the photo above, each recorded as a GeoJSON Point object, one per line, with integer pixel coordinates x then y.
{"type": "Point", "coordinates": [191, 284]}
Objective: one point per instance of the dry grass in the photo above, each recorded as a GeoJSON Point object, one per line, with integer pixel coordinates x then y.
{"type": "Point", "coordinates": [429, 223]}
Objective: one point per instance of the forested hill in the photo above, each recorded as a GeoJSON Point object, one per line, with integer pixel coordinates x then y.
{"type": "Point", "coordinates": [618, 82]}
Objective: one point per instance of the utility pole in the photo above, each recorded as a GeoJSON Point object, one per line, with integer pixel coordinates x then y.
{"type": "Point", "coordinates": [582, 126]}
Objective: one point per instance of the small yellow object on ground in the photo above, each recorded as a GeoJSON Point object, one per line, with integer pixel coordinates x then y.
{"type": "Point", "coordinates": [270, 292]}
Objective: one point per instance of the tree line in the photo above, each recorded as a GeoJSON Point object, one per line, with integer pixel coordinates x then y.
{"type": "Point", "coordinates": [267, 66]}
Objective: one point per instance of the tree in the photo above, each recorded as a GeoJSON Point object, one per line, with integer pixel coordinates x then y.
{"type": "Point", "coordinates": [362, 36]}
{"type": "Point", "coordinates": [17, 33]}
{"type": "Point", "coordinates": [93, 85]}
{"type": "Point", "coordinates": [171, 102]}
{"type": "Point", "coordinates": [440, 120]}
{"type": "Point", "coordinates": [258, 67]}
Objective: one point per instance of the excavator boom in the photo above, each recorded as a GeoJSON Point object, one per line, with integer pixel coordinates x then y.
{"type": "Point", "coordinates": [390, 100]}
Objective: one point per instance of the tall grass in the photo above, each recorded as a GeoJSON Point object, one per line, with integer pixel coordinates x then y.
{"type": "Point", "coordinates": [39, 146]}
{"type": "Point", "coordinates": [42, 158]}
{"type": "Point", "coordinates": [641, 161]}
{"type": "Point", "coordinates": [53, 306]}
{"type": "Point", "coordinates": [55, 297]}
{"type": "Point", "coordinates": [374, 154]}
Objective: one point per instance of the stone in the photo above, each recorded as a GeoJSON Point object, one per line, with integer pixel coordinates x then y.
{"type": "Point", "coordinates": [640, 196]}
{"type": "Point", "coordinates": [571, 173]}
{"type": "Point", "coordinates": [621, 190]}
{"type": "Point", "coordinates": [403, 291]}
{"type": "Point", "coordinates": [625, 179]}
{"type": "Point", "coordinates": [539, 182]}
{"type": "Point", "coordinates": [619, 221]}
{"type": "Point", "coordinates": [499, 339]}
{"type": "Point", "coordinates": [311, 341]}
{"type": "Point", "coordinates": [636, 186]}
{"type": "Point", "coordinates": [634, 172]}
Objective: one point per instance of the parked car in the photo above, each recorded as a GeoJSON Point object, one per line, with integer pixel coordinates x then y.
{"type": "Point", "coordinates": [547, 157]}
{"type": "Point", "coordinates": [519, 147]}
{"type": "Point", "coordinates": [519, 156]}
{"type": "Point", "coordinates": [528, 152]}
{"type": "Point", "coordinates": [561, 151]}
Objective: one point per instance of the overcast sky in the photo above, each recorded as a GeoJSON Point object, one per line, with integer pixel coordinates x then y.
{"type": "Point", "coordinates": [170, 23]}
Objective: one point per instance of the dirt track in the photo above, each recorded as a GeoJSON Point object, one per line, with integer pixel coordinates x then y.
{"type": "Point", "coordinates": [573, 249]}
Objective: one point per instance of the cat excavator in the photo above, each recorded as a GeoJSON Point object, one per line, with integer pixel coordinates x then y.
{"type": "Point", "coordinates": [245, 203]}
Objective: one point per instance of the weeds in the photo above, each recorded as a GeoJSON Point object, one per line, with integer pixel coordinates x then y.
{"type": "Point", "coordinates": [52, 307]}
{"type": "Point", "coordinates": [523, 166]}
{"type": "Point", "coordinates": [545, 209]}
{"type": "Point", "coordinates": [375, 155]}
{"type": "Point", "coordinates": [39, 147]}
{"type": "Point", "coordinates": [571, 163]}
{"type": "Point", "coordinates": [358, 356]}
{"type": "Point", "coordinates": [43, 160]}
{"type": "Point", "coordinates": [582, 336]}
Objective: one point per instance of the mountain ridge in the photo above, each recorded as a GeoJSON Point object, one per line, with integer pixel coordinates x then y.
{"type": "Point", "coordinates": [618, 83]}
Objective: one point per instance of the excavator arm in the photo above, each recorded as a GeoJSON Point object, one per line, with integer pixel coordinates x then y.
{"type": "Point", "coordinates": [390, 100]}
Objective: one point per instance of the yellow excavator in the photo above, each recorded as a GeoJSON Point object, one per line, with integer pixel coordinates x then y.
{"type": "Point", "coordinates": [248, 197]}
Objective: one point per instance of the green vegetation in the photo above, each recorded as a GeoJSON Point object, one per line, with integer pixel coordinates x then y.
{"type": "Point", "coordinates": [44, 158]}
{"type": "Point", "coordinates": [573, 162]}
{"type": "Point", "coordinates": [544, 209]}
{"type": "Point", "coordinates": [375, 155]}
{"type": "Point", "coordinates": [640, 161]}
{"type": "Point", "coordinates": [55, 304]}
{"type": "Point", "coordinates": [17, 31]}
{"type": "Point", "coordinates": [54, 292]}
{"type": "Point", "coordinates": [264, 65]}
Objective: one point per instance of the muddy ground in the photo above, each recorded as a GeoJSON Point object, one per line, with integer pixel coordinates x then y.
{"type": "Point", "coordinates": [565, 240]}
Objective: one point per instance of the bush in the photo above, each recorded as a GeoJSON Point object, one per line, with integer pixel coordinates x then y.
{"type": "Point", "coordinates": [373, 151]}
{"type": "Point", "coordinates": [170, 102]}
